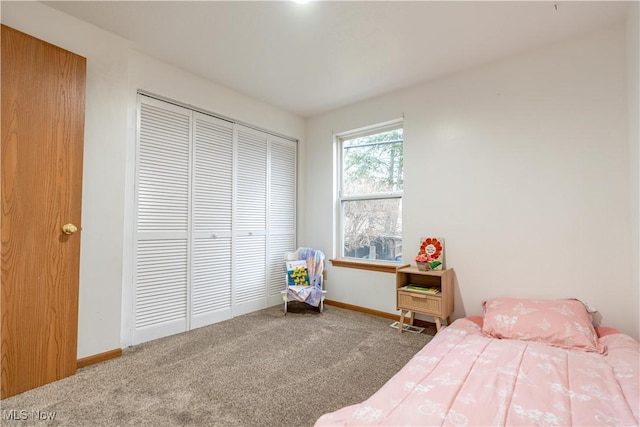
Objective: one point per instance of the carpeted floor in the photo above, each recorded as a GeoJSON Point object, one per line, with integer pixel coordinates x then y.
{"type": "Point", "coordinates": [260, 369]}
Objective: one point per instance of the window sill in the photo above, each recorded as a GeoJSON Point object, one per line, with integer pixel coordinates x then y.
{"type": "Point", "coordinates": [382, 266]}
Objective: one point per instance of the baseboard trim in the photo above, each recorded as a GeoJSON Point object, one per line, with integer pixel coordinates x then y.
{"type": "Point", "coordinates": [362, 309]}
{"type": "Point", "coordinates": [416, 322]}
{"type": "Point", "coordinates": [97, 358]}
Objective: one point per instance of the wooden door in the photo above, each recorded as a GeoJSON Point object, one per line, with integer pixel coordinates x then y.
{"type": "Point", "coordinates": [42, 128]}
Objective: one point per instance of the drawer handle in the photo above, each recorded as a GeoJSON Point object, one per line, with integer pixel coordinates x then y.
{"type": "Point", "coordinates": [419, 296]}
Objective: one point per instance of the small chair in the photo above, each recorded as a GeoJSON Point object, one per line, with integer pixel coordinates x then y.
{"type": "Point", "coordinates": [313, 294]}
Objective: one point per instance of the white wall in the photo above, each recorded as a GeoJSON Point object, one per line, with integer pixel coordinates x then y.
{"type": "Point", "coordinates": [114, 73]}
{"type": "Point", "coordinates": [633, 92]}
{"type": "Point", "coordinates": [521, 165]}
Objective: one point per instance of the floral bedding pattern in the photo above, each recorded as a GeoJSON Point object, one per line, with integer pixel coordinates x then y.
{"type": "Point", "coordinates": [464, 378]}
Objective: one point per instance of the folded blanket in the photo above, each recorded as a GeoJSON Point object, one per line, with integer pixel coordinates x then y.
{"type": "Point", "coordinates": [312, 294]}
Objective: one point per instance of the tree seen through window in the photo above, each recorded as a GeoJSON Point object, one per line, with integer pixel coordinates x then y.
{"type": "Point", "coordinates": [372, 182]}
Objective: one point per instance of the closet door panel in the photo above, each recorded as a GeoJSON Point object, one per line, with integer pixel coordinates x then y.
{"type": "Point", "coordinates": [282, 185]}
{"type": "Point", "coordinates": [277, 273]}
{"type": "Point", "coordinates": [250, 282]}
{"type": "Point", "coordinates": [282, 212]}
{"type": "Point", "coordinates": [162, 217]}
{"type": "Point", "coordinates": [211, 293]}
{"type": "Point", "coordinates": [250, 274]}
{"type": "Point", "coordinates": [212, 220]}
{"type": "Point", "coordinates": [251, 183]}
{"type": "Point", "coordinates": [163, 170]}
{"type": "Point", "coordinates": [161, 288]}
{"type": "Point", "coordinates": [213, 176]}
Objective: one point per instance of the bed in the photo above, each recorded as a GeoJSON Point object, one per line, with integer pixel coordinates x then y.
{"type": "Point", "coordinates": [525, 362]}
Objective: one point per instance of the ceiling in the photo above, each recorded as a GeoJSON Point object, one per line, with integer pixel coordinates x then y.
{"type": "Point", "coordinates": [310, 58]}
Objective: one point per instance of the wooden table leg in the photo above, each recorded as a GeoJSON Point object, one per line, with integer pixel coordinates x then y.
{"type": "Point", "coordinates": [438, 324]}
{"type": "Point", "coordinates": [401, 321]}
{"type": "Point", "coordinates": [448, 320]}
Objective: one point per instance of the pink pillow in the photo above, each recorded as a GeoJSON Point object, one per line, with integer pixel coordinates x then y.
{"type": "Point", "coordinates": [603, 331]}
{"type": "Point", "coordinates": [561, 323]}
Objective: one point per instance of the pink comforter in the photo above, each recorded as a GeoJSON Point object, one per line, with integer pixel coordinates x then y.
{"type": "Point", "coordinates": [464, 378]}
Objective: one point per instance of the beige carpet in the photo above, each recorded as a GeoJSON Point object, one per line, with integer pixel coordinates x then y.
{"type": "Point", "coordinates": [260, 369]}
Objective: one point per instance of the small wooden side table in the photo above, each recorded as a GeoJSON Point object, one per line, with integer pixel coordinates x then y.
{"type": "Point", "coordinates": [440, 306]}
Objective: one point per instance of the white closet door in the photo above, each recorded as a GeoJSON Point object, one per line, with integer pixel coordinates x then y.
{"type": "Point", "coordinates": [215, 212]}
{"type": "Point", "coordinates": [212, 219]}
{"type": "Point", "coordinates": [162, 217]}
{"type": "Point", "coordinates": [282, 212]}
{"type": "Point", "coordinates": [250, 282]}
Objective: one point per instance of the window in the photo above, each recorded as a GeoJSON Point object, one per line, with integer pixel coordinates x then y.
{"type": "Point", "coordinates": [370, 194]}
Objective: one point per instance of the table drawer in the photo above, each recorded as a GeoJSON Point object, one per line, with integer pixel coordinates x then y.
{"type": "Point", "coordinates": [415, 301]}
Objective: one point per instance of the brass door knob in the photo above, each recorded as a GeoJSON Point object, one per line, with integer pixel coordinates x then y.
{"type": "Point", "coordinates": [69, 229]}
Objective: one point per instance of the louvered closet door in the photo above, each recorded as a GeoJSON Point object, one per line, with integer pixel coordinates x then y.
{"type": "Point", "coordinates": [282, 212]}
{"type": "Point", "coordinates": [250, 284]}
{"type": "Point", "coordinates": [212, 202]}
{"type": "Point", "coordinates": [162, 207]}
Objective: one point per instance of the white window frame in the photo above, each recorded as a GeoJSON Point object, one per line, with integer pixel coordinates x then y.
{"type": "Point", "coordinates": [341, 198]}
